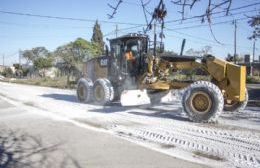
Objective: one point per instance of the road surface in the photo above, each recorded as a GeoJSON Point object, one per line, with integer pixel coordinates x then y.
{"type": "Point", "coordinates": [233, 142]}
{"type": "Point", "coordinates": [254, 94]}
{"type": "Point", "coordinates": [32, 140]}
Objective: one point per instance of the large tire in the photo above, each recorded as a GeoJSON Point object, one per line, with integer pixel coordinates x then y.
{"type": "Point", "coordinates": [202, 101]}
{"type": "Point", "coordinates": [103, 91]}
{"type": "Point", "coordinates": [84, 90]}
{"type": "Point", "coordinates": [236, 106]}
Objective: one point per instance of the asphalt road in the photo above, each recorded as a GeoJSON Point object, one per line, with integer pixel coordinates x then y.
{"type": "Point", "coordinates": [254, 94]}
{"type": "Point", "coordinates": [28, 139]}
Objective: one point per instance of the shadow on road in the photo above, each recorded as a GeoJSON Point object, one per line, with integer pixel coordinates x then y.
{"type": "Point", "coordinates": [63, 97]}
{"type": "Point", "coordinates": [18, 149]}
{"type": "Point", "coordinates": [156, 111]}
{"type": "Point", "coordinates": [150, 111]}
{"type": "Point", "coordinates": [159, 113]}
{"type": "Point", "coordinates": [116, 107]}
{"type": "Point", "coordinates": [110, 109]}
{"type": "Point", "coordinates": [250, 114]}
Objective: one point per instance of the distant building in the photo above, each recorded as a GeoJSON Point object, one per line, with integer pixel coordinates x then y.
{"type": "Point", "coordinates": [251, 67]}
{"type": "Point", "coordinates": [247, 58]}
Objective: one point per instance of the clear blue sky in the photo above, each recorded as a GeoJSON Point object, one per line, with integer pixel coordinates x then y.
{"type": "Point", "coordinates": [23, 32]}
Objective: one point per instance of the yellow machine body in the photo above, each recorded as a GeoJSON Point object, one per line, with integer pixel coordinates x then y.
{"type": "Point", "coordinates": [229, 77]}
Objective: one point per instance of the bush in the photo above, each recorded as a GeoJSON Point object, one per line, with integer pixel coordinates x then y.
{"type": "Point", "coordinates": [253, 79]}
{"type": "Point", "coordinates": [8, 72]}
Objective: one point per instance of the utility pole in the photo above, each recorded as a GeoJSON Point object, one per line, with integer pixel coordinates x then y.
{"type": "Point", "coordinates": [235, 41]}
{"type": "Point", "coordinates": [116, 31]}
{"type": "Point", "coordinates": [254, 51]}
{"type": "Point", "coordinates": [155, 39]}
{"type": "Point", "coordinates": [3, 60]}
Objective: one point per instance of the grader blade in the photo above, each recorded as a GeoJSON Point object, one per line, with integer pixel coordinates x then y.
{"type": "Point", "coordinates": [134, 98]}
{"type": "Point", "coordinates": [142, 97]}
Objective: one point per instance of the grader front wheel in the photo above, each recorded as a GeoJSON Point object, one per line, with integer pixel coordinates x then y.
{"type": "Point", "coordinates": [202, 101]}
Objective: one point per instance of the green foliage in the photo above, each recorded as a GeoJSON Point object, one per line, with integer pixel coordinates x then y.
{"type": "Point", "coordinates": [74, 53]}
{"type": "Point", "coordinates": [25, 71]}
{"type": "Point", "coordinates": [34, 53]}
{"type": "Point", "coordinates": [254, 22]}
{"type": "Point", "coordinates": [42, 63]}
{"type": "Point", "coordinates": [60, 82]}
{"type": "Point", "coordinates": [17, 66]}
{"type": "Point", "coordinates": [20, 71]}
{"type": "Point", "coordinates": [8, 72]}
{"type": "Point", "coordinates": [253, 79]}
{"type": "Point", "coordinates": [231, 58]}
{"type": "Point", "coordinates": [97, 37]}
{"type": "Point", "coordinates": [28, 55]}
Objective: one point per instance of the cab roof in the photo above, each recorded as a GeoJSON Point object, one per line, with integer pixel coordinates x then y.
{"type": "Point", "coordinates": [129, 36]}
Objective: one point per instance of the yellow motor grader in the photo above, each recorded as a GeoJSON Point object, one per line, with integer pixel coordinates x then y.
{"type": "Point", "coordinates": [131, 74]}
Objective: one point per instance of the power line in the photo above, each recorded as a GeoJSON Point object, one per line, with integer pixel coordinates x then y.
{"type": "Point", "coordinates": [11, 55]}
{"type": "Point", "coordinates": [67, 18]}
{"type": "Point", "coordinates": [192, 36]}
{"type": "Point", "coordinates": [213, 43]}
{"type": "Point", "coordinates": [119, 30]}
{"type": "Point", "coordinates": [212, 24]}
{"type": "Point", "coordinates": [45, 25]}
{"type": "Point", "coordinates": [214, 13]}
{"type": "Point", "coordinates": [238, 13]}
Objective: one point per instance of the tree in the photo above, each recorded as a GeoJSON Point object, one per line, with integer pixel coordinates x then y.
{"type": "Point", "coordinates": [18, 70]}
{"type": "Point", "coordinates": [28, 55]}
{"type": "Point", "coordinates": [97, 37]}
{"type": "Point", "coordinates": [42, 63]}
{"type": "Point", "coordinates": [34, 53]}
{"type": "Point", "coordinates": [203, 51]}
{"type": "Point", "coordinates": [255, 23]}
{"type": "Point", "coordinates": [8, 72]}
{"type": "Point", "coordinates": [77, 51]}
{"type": "Point", "coordinates": [231, 58]}
{"type": "Point", "coordinates": [40, 52]}
{"type": "Point", "coordinates": [74, 53]}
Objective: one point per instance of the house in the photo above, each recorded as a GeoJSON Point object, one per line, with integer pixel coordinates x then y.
{"type": "Point", "coordinates": [2, 68]}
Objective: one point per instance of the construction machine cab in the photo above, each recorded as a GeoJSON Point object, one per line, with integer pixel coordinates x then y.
{"type": "Point", "coordinates": [127, 56]}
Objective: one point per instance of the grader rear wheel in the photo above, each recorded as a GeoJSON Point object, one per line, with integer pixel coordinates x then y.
{"type": "Point", "coordinates": [202, 101]}
{"type": "Point", "coordinates": [103, 92]}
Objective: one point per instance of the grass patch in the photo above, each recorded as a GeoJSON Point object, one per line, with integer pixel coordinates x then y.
{"type": "Point", "coordinates": [60, 82]}
{"type": "Point", "coordinates": [198, 153]}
